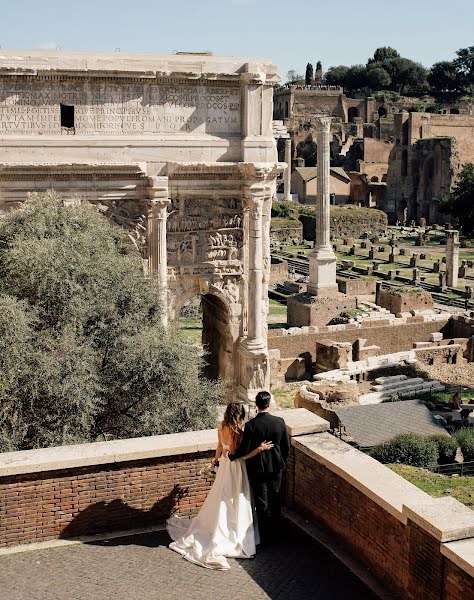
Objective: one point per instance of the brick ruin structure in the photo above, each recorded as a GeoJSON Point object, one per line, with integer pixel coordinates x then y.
{"type": "Point", "coordinates": [429, 151]}
{"type": "Point", "coordinates": [180, 151]}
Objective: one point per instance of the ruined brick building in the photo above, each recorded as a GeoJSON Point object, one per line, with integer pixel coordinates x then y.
{"type": "Point", "coordinates": [429, 151]}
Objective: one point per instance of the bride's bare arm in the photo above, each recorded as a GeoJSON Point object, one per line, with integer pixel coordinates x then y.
{"type": "Point", "coordinates": [262, 448]}
{"type": "Point", "coordinates": [219, 448]}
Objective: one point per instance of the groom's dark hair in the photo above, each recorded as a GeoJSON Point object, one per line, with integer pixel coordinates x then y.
{"type": "Point", "coordinates": [262, 400]}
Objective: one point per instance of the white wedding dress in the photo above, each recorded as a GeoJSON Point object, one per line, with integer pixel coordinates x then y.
{"type": "Point", "coordinates": [224, 527]}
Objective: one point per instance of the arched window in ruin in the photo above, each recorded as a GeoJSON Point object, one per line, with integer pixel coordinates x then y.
{"type": "Point", "coordinates": [352, 113]}
{"type": "Point", "coordinates": [404, 163]}
{"type": "Point", "coordinates": [286, 109]}
{"type": "Point", "coordinates": [382, 111]}
{"type": "Point", "coordinates": [374, 179]}
{"type": "Point", "coordinates": [405, 133]}
{"type": "Point", "coordinates": [454, 111]}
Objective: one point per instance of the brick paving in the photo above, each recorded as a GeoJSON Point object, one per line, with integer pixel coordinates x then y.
{"type": "Point", "coordinates": [143, 568]}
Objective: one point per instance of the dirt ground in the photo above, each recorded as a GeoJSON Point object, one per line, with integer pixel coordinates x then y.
{"type": "Point", "coordinates": [462, 375]}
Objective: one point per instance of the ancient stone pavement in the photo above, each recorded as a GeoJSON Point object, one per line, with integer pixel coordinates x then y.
{"type": "Point", "coordinates": [143, 568]}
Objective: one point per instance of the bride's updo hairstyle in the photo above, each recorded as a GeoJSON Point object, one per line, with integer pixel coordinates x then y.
{"type": "Point", "coordinates": [234, 417]}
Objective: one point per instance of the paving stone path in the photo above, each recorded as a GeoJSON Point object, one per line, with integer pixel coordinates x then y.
{"type": "Point", "coordinates": [143, 568]}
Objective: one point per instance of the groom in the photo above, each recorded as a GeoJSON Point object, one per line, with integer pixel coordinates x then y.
{"type": "Point", "coordinates": [265, 469]}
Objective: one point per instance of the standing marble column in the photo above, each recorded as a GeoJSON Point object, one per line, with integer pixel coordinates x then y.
{"type": "Point", "coordinates": [287, 172]}
{"type": "Point", "coordinates": [452, 257]}
{"type": "Point", "coordinates": [255, 199]}
{"type": "Point", "coordinates": [254, 368]}
{"type": "Point", "coordinates": [322, 260]}
{"type": "Point", "coordinates": [157, 212]}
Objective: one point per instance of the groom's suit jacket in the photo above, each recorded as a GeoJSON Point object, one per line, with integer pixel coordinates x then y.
{"type": "Point", "coordinates": [264, 427]}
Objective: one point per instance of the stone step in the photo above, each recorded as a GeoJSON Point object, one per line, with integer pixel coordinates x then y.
{"type": "Point", "coordinates": [396, 385]}
{"type": "Point", "coordinates": [377, 397]}
{"type": "Point", "coordinates": [390, 379]}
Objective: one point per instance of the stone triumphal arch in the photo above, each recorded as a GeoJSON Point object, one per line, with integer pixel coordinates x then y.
{"type": "Point", "coordinates": [179, 150]}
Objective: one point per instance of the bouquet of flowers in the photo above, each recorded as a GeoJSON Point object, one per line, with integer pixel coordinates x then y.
{"type": "Point", "coordinates": [209, 471]}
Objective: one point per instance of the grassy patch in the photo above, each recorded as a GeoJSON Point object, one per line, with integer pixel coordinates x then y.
{"type": "Point", "coordinates": [461, 488]}
{"type": "Point", "coordinates": [285, 395]}
{"type": "Point", "coordinates": [275, 308]}
{"type": "Point", "coordinates": [191, 327]}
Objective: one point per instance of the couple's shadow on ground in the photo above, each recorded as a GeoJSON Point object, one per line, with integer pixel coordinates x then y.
{"type": "Point", "coordinates": [291, 556]}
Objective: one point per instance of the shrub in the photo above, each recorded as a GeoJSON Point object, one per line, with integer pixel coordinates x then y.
{"type": "Point", "coordinates": [465, 438]}
{"type": "Point", "coordinates": [447, 448]}
{"type": "Point", "coordinates": [83, 354]}
{"type": "Point", "coordinates": [408, 449]}
{"type": "Point", "coordinates": [287, 210]}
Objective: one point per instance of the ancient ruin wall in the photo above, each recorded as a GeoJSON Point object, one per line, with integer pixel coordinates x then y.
{"type": "Point", "coordinates": [390, 338]}
{"type": "Point", "coordinates": [349, 222]}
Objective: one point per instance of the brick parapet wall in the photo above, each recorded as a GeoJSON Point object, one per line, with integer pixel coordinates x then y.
{"type": "Point", "coordinates": [104, 487]}
{"type": "Point", "coordinates": [405, 537]}
{"type": "Point", "coordinates": [420, 547]}
{"type": "Point", "coordinates": [456, 584]}
{"type": "Point", "coordinates": [357, 522]}
{"type": "Point", "coordinates": [102, 498]}
{"type": "Point", "coordinates": [96, 488]}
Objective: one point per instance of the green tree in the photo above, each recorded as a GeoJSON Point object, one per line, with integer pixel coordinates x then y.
{"type": "Point", "coordinates": [356, 78]}
{"type": "Point", "coordinates": [383, 54]}
{"type": "Point", "coordinates": [378, 79]}
{"type": "Point", "coordinates": [84, 355]}
{"type": "Point", "coordinates": [464, 63]}
{"type": "Point", "coordinates": [318, 75]}
{"type": "Point", "coordinates": [444, 76]}
{"type": "Point", "coordinates": [460, 203]}
{"type": "Point", "coordinates": [295, 78]}
{"type": "Point", "coordinates": [309, 76]}
{"type": "Point", "coordinates": [411, 75]}
{"type": "Point", "coordinates": [336, 75]}
{"type": "Point", "coordinates": [405, 74]}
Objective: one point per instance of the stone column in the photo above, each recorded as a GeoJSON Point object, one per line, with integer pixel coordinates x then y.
{"type": "Point", "coordinates": [157, 207]}
{"type": "Point", "coordinates": [452, 258]}
{"type": "Point", "coordinates": [287, 173]}
{"type": "Point", "coordinates": [254, 368]}
{"type": "Point", "coordinates": [255, 197]}
{"type": "Point", "coordinates": [322, 260]}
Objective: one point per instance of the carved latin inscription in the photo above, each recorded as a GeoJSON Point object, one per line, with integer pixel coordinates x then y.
{"type": "Point", "coordinates": [118, 109]}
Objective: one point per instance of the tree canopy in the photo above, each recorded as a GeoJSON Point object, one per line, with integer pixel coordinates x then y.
{"type": "Point", "coordinates": [454, 76]}
{"type": "Point", "coordinates": [388, 71]}
{"type": "Point", "coordinates": [83, 354]}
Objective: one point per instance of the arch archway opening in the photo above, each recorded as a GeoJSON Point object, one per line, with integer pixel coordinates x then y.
{"type": "Point", "coordinates": [205, 319]}
{"type": "Point", "coordinates": [352, 113]}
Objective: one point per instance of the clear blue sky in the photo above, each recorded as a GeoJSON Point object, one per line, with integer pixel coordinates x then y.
{"type": "Point", "coordinates": [335, 32]}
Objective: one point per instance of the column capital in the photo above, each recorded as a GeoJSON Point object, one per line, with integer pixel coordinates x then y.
{"type": "Point", "coordinates": [323, 124]}
{"type": "Point", "coordinates": [157, 191]}
{"type": "Point", "coordinates": [254, 173]}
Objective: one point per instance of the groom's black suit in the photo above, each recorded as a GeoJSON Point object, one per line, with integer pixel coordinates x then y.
{"type": "Point", "coordinates": [265, 468]}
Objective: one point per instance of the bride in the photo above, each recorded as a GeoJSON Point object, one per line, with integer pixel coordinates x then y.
{"type": "Point", "coordinates": [224, 527]}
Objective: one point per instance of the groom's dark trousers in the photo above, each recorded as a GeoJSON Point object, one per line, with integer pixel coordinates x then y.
{"type": "Point", "coordinates": [266, 468]}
